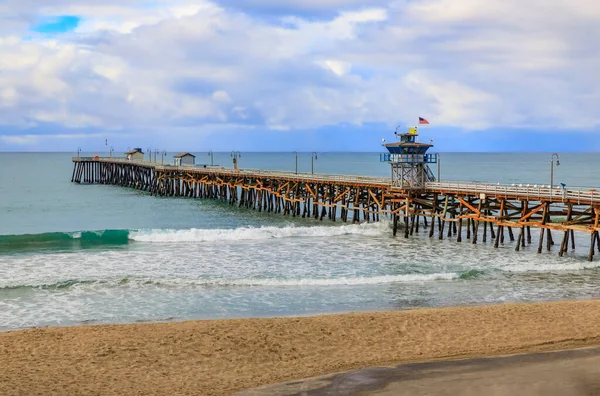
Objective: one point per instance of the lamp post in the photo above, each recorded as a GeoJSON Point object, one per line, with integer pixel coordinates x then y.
{"type": "Point", "coordinates": [439, 166]}
{"type": "Point", "coordinates": [552, 171]}
{"type": "Point", "coordinates": [210, 153]}
{"type": "Point", "coordinates": [235, 155]}
{"type": "Point", "coordinates": [111, 151]}
{"type": "Point", "coordinates": [312, 162]}
{"type": "Point", "coordinates": [296, 153]}
{"type": "Point", "coordinates": [162, 157]}
{"type": "Point", "coordinates": [78, 151]}
{"type": "Point", "coordinates": [149, 150]}
{"type": "Point", "coordinates": [155, 155]}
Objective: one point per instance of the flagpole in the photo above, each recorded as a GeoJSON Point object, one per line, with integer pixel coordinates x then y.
{"type": "Point", "coordinates": [417, 128]}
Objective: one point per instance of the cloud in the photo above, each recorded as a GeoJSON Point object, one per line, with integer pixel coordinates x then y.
{"type": "Point", "coordinates": [134, 66]}
{"type": "Point", "coordinates": [23, 140]}
{"type": "Point", "coordinates": [313, 9]}
{"type": "Point", "coordinates": [338, 67]}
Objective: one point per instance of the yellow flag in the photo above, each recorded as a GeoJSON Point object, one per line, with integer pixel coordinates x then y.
{"type": "Point", "coordinates": [412, 130]}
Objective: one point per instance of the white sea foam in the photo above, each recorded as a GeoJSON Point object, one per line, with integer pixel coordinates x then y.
{"type": "Point", "coordinates": [255, 233]}
{"type": "Point", "coordinates": [570, 267]}
{"type": "Point", "coordinates": [225, 282]}
{"type": "Point", "coordinates": [374, 280]}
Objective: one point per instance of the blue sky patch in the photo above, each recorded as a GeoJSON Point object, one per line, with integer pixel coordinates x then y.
{"type": "Point", "coordinates": [57, 24]}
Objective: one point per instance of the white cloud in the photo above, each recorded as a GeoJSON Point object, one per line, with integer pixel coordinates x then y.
{"type": "Point", "coordinates": [8, 97]}
{"type": "Point", "coordinates": [338, 67]}
{"type": "Point", "coordinates": [66, 118]}
{"type": "Point", "coordinates": [126, 20]}
{"type": "Point", "coordinates": [221, 96]}
{"type": "Point", "coordinates": [455, 103]}
{"type": "Point", "coordinates": [22, 140]}
{"type": "Point", "coordinates": [469, 64]}
{"type": "Point", "coordinates": [368, 15]}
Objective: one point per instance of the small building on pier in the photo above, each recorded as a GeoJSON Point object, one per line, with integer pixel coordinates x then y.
{"type": "Point", "coordinates": [409, 160]}
{"type": "Point", "coordinates": [182, 159]}
{"type": "Point", "coordinates": [135, 155]}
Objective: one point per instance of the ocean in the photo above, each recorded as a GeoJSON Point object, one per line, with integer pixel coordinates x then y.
{"type": "Point", "coordinates": [90, 254]}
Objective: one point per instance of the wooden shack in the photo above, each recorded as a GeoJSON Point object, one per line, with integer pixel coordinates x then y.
{"type": "Point", "coordinates": [135, 155]}
{"type": "Point", "coordinates": [182, 159]}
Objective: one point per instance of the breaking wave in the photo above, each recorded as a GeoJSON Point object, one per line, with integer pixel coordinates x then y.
{"type": "Point", "coordinates": [243, 282]}
{"type": "Point", "coordinates": [63, 240]}
{"type": "Point", "coordinates": [90, 239]}
{"type": "Point", "coordinates": [254, 233]}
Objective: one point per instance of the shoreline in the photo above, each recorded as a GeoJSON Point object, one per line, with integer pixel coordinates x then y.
{"type": "Point", "coordinates": [94, 322]}
{"type": "Point", "coordinates": [219, 357]}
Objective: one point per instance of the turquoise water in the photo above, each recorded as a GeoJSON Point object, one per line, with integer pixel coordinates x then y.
{"type": "Point", "coordinates": [73, 254]}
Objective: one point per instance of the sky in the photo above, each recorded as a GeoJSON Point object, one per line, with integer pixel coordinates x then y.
{"type": "Point", "coordinates": [312, 75]}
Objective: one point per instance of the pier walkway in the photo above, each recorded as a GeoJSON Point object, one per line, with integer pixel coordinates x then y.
{"type": "Point", "coordinates": [467, 207]}
{"type": "Point", "coordinates": [513, 191]}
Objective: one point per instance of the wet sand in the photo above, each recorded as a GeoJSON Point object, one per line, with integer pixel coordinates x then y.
{"type": "Point", "coordinates": [574, 372]}
{"type": "Point", "coordinates": [224, 356]}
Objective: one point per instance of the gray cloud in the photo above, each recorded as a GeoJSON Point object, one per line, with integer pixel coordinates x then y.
{"type": "Point", "coordinates": [467, 64]}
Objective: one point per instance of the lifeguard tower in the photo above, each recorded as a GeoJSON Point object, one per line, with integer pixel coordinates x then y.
{"type": "Point", "coordinates": [409, 160]}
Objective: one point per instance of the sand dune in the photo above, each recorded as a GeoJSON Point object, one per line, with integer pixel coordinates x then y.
{"type": "Point", "coordinates": [221, 357]}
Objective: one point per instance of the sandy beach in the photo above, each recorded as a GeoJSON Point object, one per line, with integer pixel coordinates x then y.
{"type": "Point", "coordinates": [224, 356]}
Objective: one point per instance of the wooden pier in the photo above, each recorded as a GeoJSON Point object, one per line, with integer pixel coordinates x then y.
{"type": "Point", "coordinates": [460, 211]}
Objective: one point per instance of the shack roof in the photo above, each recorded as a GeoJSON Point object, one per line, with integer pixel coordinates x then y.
{"type": "Point", "coordinates": [135, 150]}
{"type": "Point", "coordinates": [179, 155]}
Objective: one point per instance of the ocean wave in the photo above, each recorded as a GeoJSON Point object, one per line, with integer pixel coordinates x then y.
{"type": "Point", "coordinates": [89, 239]}
{"type": "Point", "coordinates": [255, 233]}
{"type": "Point", "coordinates": [573, 266]}
{"type": "Point", "coordinates": [63, 240]}
{"type": "Point", "coordinates": [374, 280]}
{"type": "Point", "coordinates": [242, 282]}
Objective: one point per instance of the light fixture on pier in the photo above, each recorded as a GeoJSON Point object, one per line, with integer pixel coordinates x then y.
{"type": "Point", "coordinates": [236, 155]}
{"type": "Point", "coordinates": [552, 171]}
{"type": "Point", "coordinates": [296, 153]}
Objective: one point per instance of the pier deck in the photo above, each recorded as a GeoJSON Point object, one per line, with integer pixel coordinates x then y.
{"type": "Point", "coordinates": [500, 208]}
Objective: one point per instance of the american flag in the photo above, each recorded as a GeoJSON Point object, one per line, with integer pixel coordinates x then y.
{"type": "Point", "coordinates": [423, 121]}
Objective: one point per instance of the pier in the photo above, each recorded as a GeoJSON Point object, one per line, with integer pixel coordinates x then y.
{"type": "Point", "coordinates": [411, 197]}
{"type": "Point", "coordinates": [475, 212]}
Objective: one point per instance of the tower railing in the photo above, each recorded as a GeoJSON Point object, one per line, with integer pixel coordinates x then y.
{"type": "Point", "coordinates": [409, 158]}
